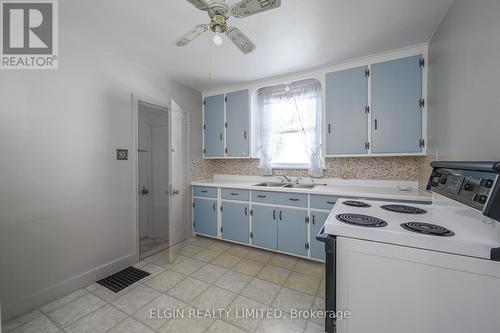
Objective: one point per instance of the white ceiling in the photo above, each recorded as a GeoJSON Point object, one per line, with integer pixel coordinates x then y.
{"type": "Point", "coordinates": [301, 34]}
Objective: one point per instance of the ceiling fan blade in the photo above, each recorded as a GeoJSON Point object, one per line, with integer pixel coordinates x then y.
{"type": "Point", "coordinates": [200, 4]}
{"type": "Point", "coordinates": [240, 40]}
{"type": "Point", "coordinates": [191, 35]}
{"type": "Point", "coordinates": [251, 7]}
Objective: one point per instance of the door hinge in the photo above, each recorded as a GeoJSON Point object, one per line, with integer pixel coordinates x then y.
{"type": "Point", "coordinates": [251, 212]}
{"type": "Point", "coordinates": [225, 150]}
{"type": "Point", "coordinates": [306, 246]}
{"type": "Point", "coordinates": [422, 143]}
{"type": "Point", "coordinates": [307, 219]}
{"type": "Point", "coordinates": [421, 63]}
{"type": "Point", "coordinates": [193, 204]}
{"type": "Point", "coordinates": [367, 109]}
{"type": "Point", "coordinates": [204, 127]}
{"type": "Point", "coordinates": [225, 99]}
{"type": "Point", "coordinates": [422, 103]}
{"type": "Point", "coordinates": [204, 151]}
{"type": "Point", "coordinates": [221, 209]}
{"type": "Point", "coordinates": [367, 73]}
{"type": "Point", "coordinates": [225, 124]}
{"type": "Point", "coordinates": [194, 224]}
{"type": "Point", "coordinates": [204, 102]}
{"type": "Point", "coordinates": [251, 235]}
{"type": "Point", "coordinates": [367, 145]}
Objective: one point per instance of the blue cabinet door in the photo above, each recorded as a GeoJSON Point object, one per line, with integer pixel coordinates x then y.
{"type": "Point", "coordinates": [292, 231]}
{"type": "Point", "coordinates": [346, 117]}
{"type": "Point", "coordinates": [214, 126]}
{"type": "Point", "coordinates": [318, 219]}
{"type": "Point", "coordinates": [264, 227]}
{"type": "Point", "coordinates": [205, 216]}
{"type": "Point", "coordinates": [237, 118]}
{"type": "Point", "coordinates": [396, 111]}
{"type": "Point", "coordinates": [235, 221]}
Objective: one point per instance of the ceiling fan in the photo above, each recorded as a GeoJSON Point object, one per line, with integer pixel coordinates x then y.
{"type": "Point", "coordinates": [219, 13]}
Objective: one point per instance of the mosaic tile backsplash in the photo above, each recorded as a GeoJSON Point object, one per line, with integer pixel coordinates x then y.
{"type": "Point", "coordinates": [379, 168]}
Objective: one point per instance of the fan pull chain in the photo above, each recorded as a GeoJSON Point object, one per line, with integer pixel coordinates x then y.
{"type": "Point", "coordinates": [210, 54]}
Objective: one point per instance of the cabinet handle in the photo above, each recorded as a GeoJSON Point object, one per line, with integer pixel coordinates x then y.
{"type": "Point", "coordinates": [245, 135]}
{"type": "Point", "coordinates": [280, 215]}
{"type": "Point", "coordinates": [234, 194]}
{"type": "Point", "coordinates": [329, 128]}
{"type": "Point", "coordinates": [331, 202]}
{"type": "Point", "coordinates": [314, 219]}
{"type": "Point", "coordinates": [274, 215]}
{"type": "Point", "coordinates": [261, 196]}
{"type": "Point", "coordinates": [221, 137]}
{"type": "Point", "coordinates": [293, 199]}
{"type": "Point", "coordinates": [204, 191]}
{"type": "Point", "coordinates": [246, 211]}
{"type": "Point", "coordinates": [214, 206]}
{"type": "Point", "coordinates": [376, 124]}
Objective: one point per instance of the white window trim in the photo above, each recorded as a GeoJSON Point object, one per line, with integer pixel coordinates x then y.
{"type": "Point", "coordinates": [304, 166]}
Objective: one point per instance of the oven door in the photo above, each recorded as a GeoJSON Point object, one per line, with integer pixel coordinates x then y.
{"type": "Point", "coordinates": [330, 278]}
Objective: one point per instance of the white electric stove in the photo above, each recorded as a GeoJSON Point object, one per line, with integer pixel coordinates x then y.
{"type": "Point", "coordinates": [409, 267]}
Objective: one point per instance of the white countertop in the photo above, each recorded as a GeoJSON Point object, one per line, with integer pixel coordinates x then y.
{"type": "Point", "coordinates": [389, 190]}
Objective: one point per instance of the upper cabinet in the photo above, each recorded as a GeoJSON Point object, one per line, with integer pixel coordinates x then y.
{"type": "Point", "coordinates": [213, 126]}
{"type": "Point", "coordinates": [346, 94]}
{"type": "Point", "coordinates": [396, 106]}
{"type": "Point", "coordinates": [226, 125]}
{"type": "Point", "coordinates": [238, 123]}
{"type": "Point", "coordinates": [376, 109]}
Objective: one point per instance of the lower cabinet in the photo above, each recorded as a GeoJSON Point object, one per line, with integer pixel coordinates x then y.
{"type": "Point", "coordinates": [205, 216]}
{"type": "Point", "coordinates": [318, 219]}
{"type": "Point", "coordinates": [236, 221]}
{"type": "Point", "coordinates": [264, 228]}
{"type": "Point", "coordinates": [292, 231]}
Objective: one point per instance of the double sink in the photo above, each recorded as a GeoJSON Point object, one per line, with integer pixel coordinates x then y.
{"type": "Point", "coordinates": [287, 185]}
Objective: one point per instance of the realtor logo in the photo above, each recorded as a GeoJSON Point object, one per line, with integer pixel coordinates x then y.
{"type": "Point", "coordinates": [29, 35]}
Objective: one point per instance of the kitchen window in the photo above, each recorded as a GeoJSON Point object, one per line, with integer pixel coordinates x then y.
{"type": "Point", "coordinates": [290, 127]}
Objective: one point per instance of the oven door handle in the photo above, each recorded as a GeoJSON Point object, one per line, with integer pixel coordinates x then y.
{"type": "Point", "coordinates": [322, 236]}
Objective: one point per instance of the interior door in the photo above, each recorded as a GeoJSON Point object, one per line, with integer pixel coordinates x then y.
{"type": "Point", "coordinates": [178, 175]}
{"type": "Point", "coordinates": [144, 180]}
{"type": "Point", "coordinates": [160, 183]}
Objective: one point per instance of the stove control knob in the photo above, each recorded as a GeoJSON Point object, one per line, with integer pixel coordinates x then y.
{"type": "Point", "coordinates": [488, 183]}
{"type": "Point", "coordinates": [443, 181]}
{"type": "Point", "coordinates": [468, 187]}
{"type": "Point", "coordinates": [480, 198]}
{"type": "Point", "coordinates": [436, 174]}
{"type": "Point", "coordinates": [434, 184]}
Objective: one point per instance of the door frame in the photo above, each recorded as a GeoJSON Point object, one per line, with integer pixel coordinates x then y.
{"type": "Point", "coordinates": [134, 156]}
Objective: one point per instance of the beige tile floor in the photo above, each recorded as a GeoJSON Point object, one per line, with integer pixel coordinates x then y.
{"type": "Point", "coordinates": [200, 273]}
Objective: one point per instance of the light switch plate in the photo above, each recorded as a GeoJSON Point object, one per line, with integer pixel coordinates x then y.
{"type": "Point", "coordinates": [122, 154]}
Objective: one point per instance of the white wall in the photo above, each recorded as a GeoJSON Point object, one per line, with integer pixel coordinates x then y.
{"type": "Point", "coordinates": [464, 82]}
{"type": "Point", "coordinates": [65, 201]}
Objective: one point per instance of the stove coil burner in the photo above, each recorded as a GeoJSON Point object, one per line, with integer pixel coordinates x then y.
{"type": "Point", "coordinates": [427, 228]}
{"type": "Point", "coordinates": [354, 203]}
{"type": "Point", "coordinates": [361, 220]}
{"type": "Point", "coordinates": [404, 209]}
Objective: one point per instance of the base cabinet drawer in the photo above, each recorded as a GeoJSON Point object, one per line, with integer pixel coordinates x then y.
{"type": "Point", "coordinates": [235, 222]}
{"type": "Point", "coordinates": [323, 201]}
{"type": "Point", "coordinates": [280, 198]}
{"type": "Point", "coordinates": [205, 216]}
{"type": "Point", "coordinates": [235, 194]}
{"type": "Point", "coordinates": [206, 192]}
{"type": "Point", "coordinates": [317, 220]}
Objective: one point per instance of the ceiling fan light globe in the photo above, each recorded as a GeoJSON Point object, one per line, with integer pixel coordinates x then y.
{"type": "Point", "coordinates": [217, 39]}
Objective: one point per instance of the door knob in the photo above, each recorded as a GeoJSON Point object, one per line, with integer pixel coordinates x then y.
{"type": "Point", "coordinates": [176, 192]}
{"type": "Point", "coordinates": [144, 190]}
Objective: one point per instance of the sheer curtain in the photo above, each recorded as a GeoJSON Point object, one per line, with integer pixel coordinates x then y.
{"type": "Point", "coordinates": [300, 101]}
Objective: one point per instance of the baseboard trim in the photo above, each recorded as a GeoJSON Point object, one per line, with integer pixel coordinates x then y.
{"type": "Point", "coordinates": [63, 288]}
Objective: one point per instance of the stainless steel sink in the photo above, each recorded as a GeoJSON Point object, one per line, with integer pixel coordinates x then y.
{"type": "Point", "coordinates": [270, 184]}
{"type": "Point", "coordinates": [303, 186]}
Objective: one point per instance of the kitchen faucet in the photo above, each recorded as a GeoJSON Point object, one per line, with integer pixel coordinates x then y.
{"type": "Point", "coordinates": [283, 178]}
